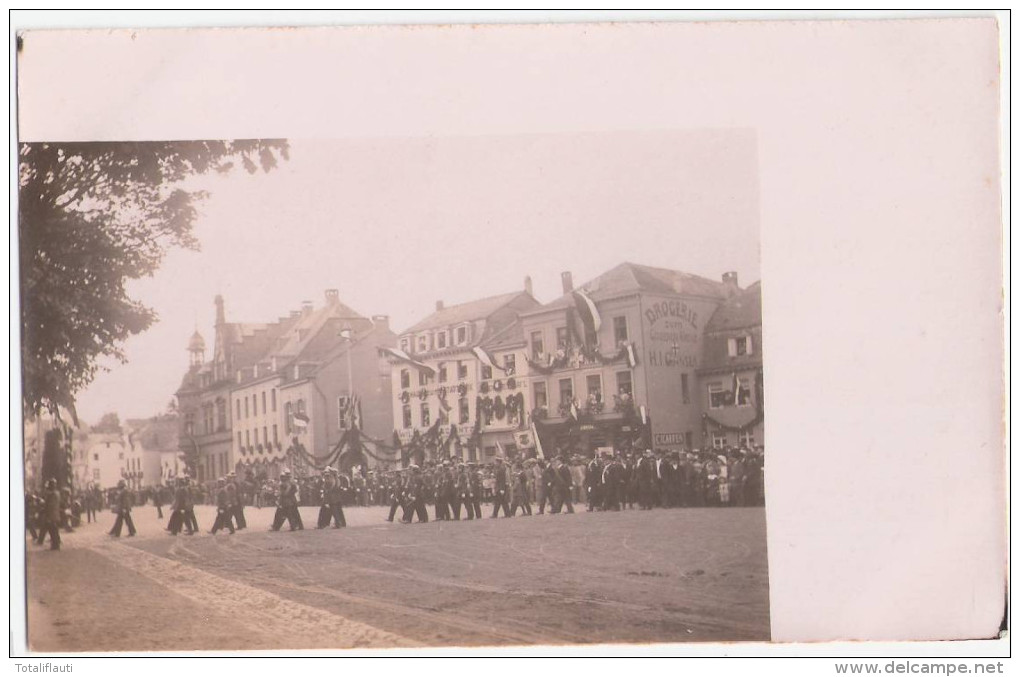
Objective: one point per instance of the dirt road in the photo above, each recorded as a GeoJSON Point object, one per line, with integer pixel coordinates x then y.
{"type": "Point", "coordinates": [632, 576]}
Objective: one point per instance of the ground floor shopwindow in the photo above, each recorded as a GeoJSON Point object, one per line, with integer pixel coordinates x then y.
{"type": "Point", "coordinates": [718, 440]}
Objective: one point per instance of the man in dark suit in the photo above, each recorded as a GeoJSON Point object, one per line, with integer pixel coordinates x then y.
{"type": "Point", "coordinates": [224, 507]}
{"type": "Point", "coordinates": [51, 515]}
{"type": "Point", "coordinates": [500, 495]}
{"type": "Point", "coordinates": [548, 480]}
{"type": "Point", "coordinates": [646, 478]}
{"type": "Point", "coordinates": [564, 486]}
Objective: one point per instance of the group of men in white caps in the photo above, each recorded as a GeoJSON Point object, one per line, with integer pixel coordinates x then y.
{"type": "Point", "coordinates": [451, 486]}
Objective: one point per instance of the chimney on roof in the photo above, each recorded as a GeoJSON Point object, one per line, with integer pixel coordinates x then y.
{"type": "Point", "coordinates": [221, 317]}
{"type": "Point", "coordinates": [729, 279]}
{"type": "Point", "coordinates": [381, 322]}
{"type": "Point", "coordinates": [306, 307]}
{"type": "Point", "coordinates": [332, 297]}
{"type": "Point", "coordinates": [439, 304]}
{"type": "Point", "coordinates": [568, 281]}
{"type": "Point", "coordinates": [527, 285]}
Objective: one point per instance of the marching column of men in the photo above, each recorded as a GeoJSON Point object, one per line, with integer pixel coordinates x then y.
{"type": "Point", "coordinates": [611, 482]}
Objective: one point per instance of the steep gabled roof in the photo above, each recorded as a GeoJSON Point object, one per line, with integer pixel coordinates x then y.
{"type": "Point", "coordinates": [471, 311]}
{"type": "Point", "coordinates": [509, 337]}
{"type": "Point", "coordinates": [633, 277]}
{"type": "Point", "coordinates": [740, 312]}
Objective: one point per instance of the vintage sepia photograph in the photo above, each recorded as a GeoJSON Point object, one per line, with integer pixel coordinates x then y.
{"type": "Point", "coordinates": [378, 393]}
{"type": "Point", "coordinates": [450, 339]}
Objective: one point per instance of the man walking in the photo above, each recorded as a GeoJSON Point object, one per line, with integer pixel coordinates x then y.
{"type": "Point", "coordinates": [564, 485]}
{"type": "Point", "coordinates": [125, 501]}
{"type": "Point", "coordinates": [502, 488]}
{"type": "Point", "coordinates": [51, 515]}
{"type": "Point", "coordinates": [287, 505]}
{"type": "Point", "coordinates": [224, 507]}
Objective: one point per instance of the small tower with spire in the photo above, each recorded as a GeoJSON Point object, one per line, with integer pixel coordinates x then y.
{"type": "Point", "coordinates": [196, 349]}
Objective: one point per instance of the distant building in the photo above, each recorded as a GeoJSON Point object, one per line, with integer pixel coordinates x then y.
{"type": "Point", "coordinates": [204, 396]}
{"type": "Point", "coordinates": [274, 395]}
{"type": "Point", "coordinates": [456, 388]}
{"type": "Point", "coordinates": [293, 405]}
{"type": "Point", "coordinates": [155, 441]}
{"type": "Point", "coordinates": [614, 363]}
{"type": "Point", "coordinates": [731, 380]}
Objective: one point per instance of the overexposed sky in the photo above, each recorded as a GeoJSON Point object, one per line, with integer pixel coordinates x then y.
{"type": "Point", "coordinates": [398, 223]}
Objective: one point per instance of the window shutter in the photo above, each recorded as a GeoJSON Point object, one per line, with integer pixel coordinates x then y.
{"type": "Point", "coordinates": [750, 345]}
{"type": "Point", "coordinates": [732, 346]}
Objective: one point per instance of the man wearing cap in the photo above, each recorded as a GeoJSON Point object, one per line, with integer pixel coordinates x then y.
{"type": "Point", "coordinates": [547, 480]}
{"type": "Point", "coordinates": [500, 498]}
{"type": "Point", "coordinates": [441, 482]}
{"type": "Point", "coordinates": [396, 488]}
{"type": "Point", "coordinates": [124, 504]}
{"type": "Point", "coordinates": [414, 502]}
{"type": "Point", "coordinates": [462, 493]}
{"type": "Point", "coordinates": [520, 493]}
{"type": "Point", "coordinates": [474, 498]}
{"type": "Point", "coordinates": [224, 507]}
{"type": "Point", "coordinates": [287, 504]}
{"type": "Point", "coordinates": [331, 507]}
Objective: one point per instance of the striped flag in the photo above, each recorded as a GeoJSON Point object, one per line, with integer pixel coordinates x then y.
{"type": "Point", "coordinates": [589, 313]}
{"type": "Point", "coordinates": [356, 412]}
{"type": "Point", "coordinates": [735, 387]}
{"type": "Point", "coordinates": [631, 356]}
{"type": "Point", "coordinates": [485, 358]}
{"type": "Point", "coordinates": [538, 440]}
{"type": "Point", "coordinates": [301, 420]}
{"type": "Point", "coordinates": [644, 415]}
{"type": "Point", "coordinates": [404, 357]}
{"type": "Point", "coordinates": [499, 448]}
{"type": "Point", "coordinates": [573, 410]}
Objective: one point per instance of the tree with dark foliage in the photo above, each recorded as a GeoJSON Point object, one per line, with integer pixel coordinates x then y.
{"type": "Point", "coordinates": [91, 217]}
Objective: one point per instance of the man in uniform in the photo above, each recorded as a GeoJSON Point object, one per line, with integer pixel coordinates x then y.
{"type": "Point", "coordinates": [502, 488]}
{"type": "Point", "coordinates": [442, 492]}
{"type": "Point", "coordinates": [237, 496]}
{"type": "Point", "coordinates": [414, 498]}
{"type": "Point", "coordinates": [125, 501]}
{"type": "Point", "coordinates": [179, 509]}
{"type": "Point", "coordinates": [396, 487]}
{"type": "Point", "coordinates": [224, 507]}
{"type": "Point", "coordinates": [474, 499]}
{"type": "Point", "coordinates": [564, 486]}
{"type": "Point", "coordinates": [547, 479]}
{"type": "Point", "coordinates": [462, 493]}
{"type": "Point", "coordinates": [287, 504]}
{"type": "Point", "coordinates": [331, 508]}
{"type": "Point", "coordinates": [610, 485]}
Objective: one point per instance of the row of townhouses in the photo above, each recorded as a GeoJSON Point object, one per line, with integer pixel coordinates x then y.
{"type": "Point", "coordinates": [638, 356]}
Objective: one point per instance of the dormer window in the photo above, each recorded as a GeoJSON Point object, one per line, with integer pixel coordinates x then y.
{"type": "Point", "coordinates": [462, 335]}
{"type": "Point", "coordinates": [423, 343]}
{"type": "Point", "coordinates": [405, 344]}
{"type": "Point", "coordinates": [440, 340]}
{"type": "Point", "coordinates": [741, 345]}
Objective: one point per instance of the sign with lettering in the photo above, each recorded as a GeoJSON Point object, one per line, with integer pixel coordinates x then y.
{"type": "Point", "coordinates": [674, 333]}
{"type": "Point", "coordinates": [665, 439]}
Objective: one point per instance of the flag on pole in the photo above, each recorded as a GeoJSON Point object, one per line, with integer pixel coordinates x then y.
{"type": "Point", "coordinates": [499, 448]}
{"type": "Point", "coordinates": [356, 412]}
{"type": "Point", "coordinates": [644, 415]}
{"type": "Point", "coordinates": [735, 387]}
{"type": "Point", "coordinates": [631, 356]}
{"type": "Point", "coordinates": [485, 358]}
{"type": "Point", "coordinates": [538, 440]}
{"type": "Point", "coordinates": [573, 410]}
{"type": "Point", "coordinates": [301, 420]}
{"type": "Point", "coordinates": [589, 313]}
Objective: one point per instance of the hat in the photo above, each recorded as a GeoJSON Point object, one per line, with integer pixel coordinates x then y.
{"type": "Point", "coordinates": [285, 473]}
{"type": "Point", "coordinates": [328, 469]}
{"type": "Point", "coordinates": [122, 483]}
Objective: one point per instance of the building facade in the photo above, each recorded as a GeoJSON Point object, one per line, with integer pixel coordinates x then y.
{"type": "Point", "coordinates": [731, 378]}
{"type": "Point", "coordinates": [273, 396]}
{"type": "Point", "coordinates": [455, 383]}
{"type": "Point", "coordinates": [614, 363]}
